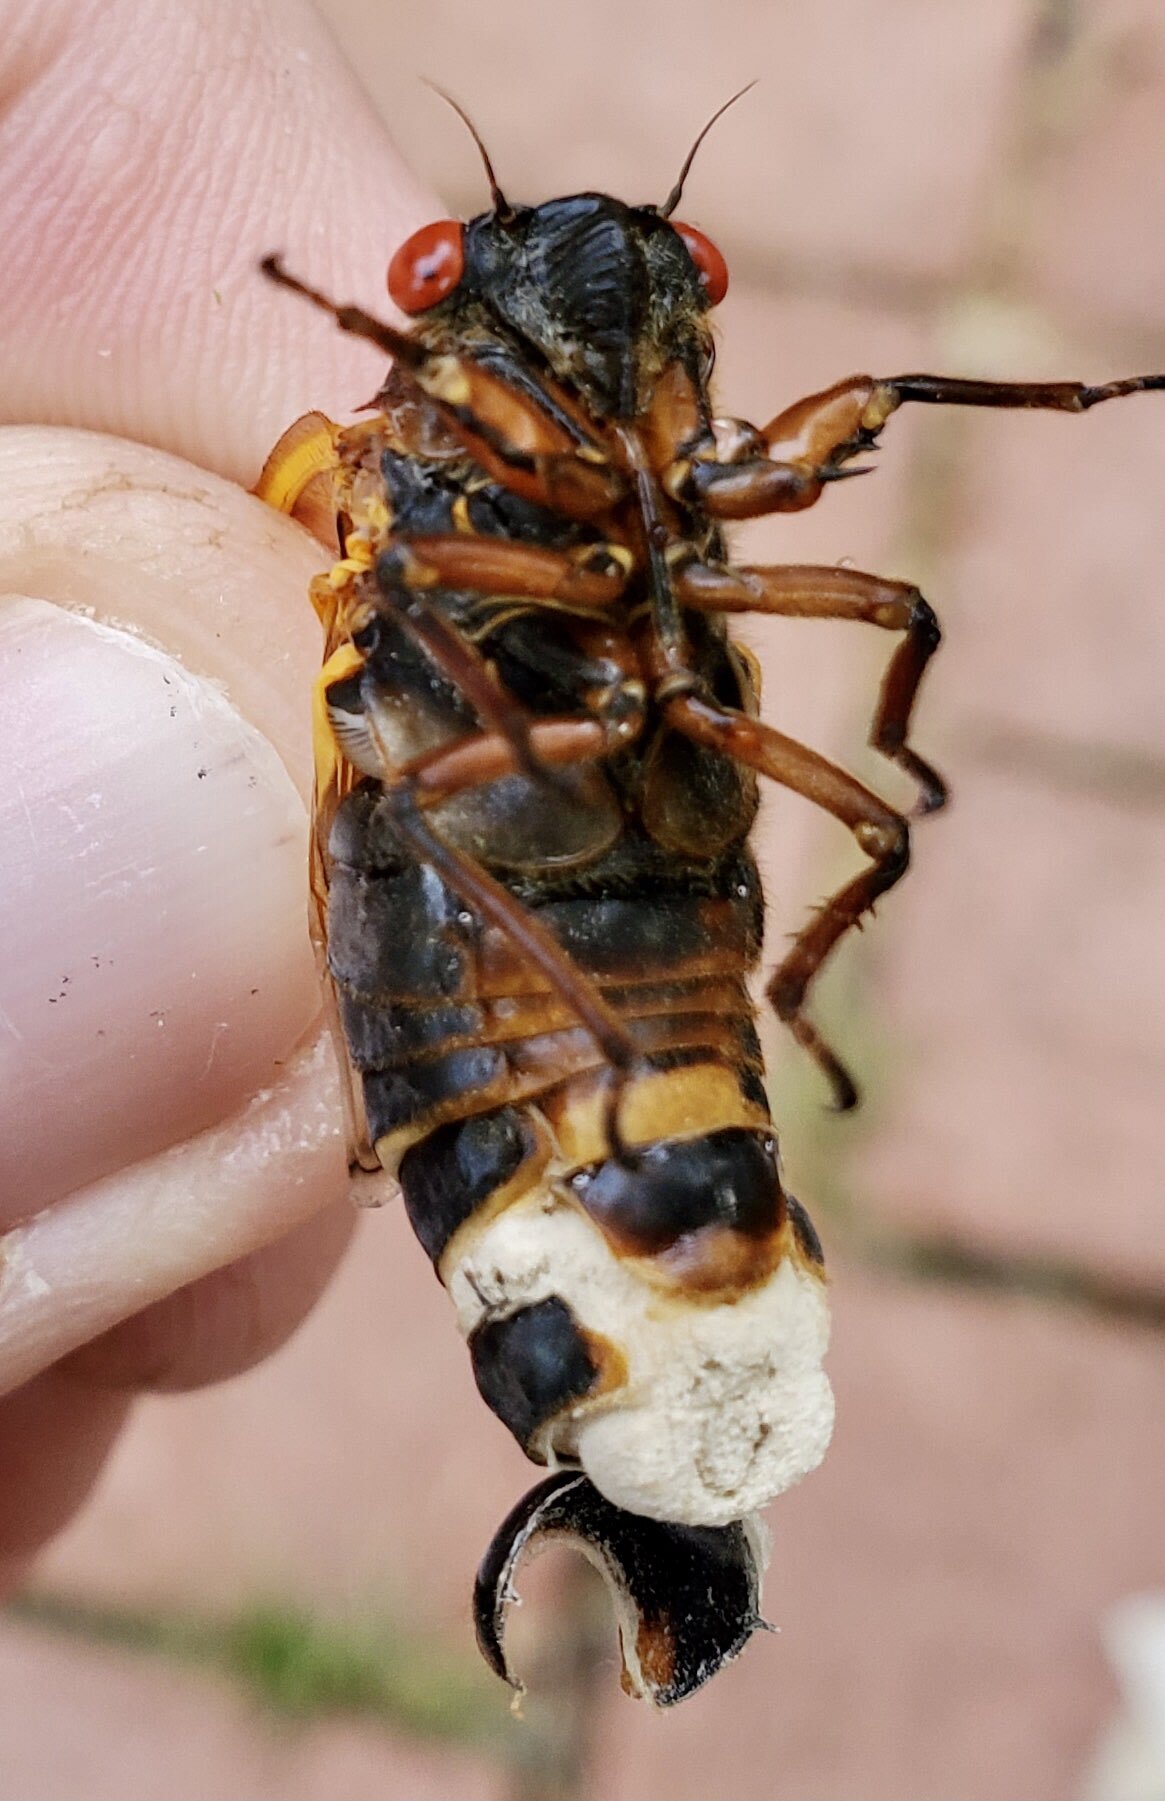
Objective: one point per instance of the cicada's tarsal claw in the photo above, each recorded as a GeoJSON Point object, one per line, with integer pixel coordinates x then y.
{"type": "Point", "coordinates": [686, 1597]}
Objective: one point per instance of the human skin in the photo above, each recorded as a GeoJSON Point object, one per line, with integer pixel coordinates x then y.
{"type": "Point", "coordinates": [172, 1173]}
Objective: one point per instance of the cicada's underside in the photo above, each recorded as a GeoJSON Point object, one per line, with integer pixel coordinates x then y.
{"type": "Point", "coordinates": [537, 749]}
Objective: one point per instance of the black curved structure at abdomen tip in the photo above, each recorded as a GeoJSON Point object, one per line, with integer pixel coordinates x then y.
{"type": "Point", "coordinates": [686, 1597]}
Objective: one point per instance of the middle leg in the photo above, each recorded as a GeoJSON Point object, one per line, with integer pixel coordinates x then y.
{"type": "Point", "coordinates": [811, 592]}
{"type": "Point", "coordinates": [411, 788]}
{"type": "Point", "coordinates": [785, 465]}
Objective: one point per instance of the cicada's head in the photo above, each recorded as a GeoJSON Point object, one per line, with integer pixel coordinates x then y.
{"type": "Point", "coordinates": [659, 1323]}
{"type": "Point", "coordinates": [601, 295]}
{"type": "Point", "coordinates": [604, 295]}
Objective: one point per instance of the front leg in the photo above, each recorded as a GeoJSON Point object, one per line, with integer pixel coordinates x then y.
{"type": "Point", "coordinates": [785, 465]}
{"type": "Point", "coordinates": [531, 451]}
{"type": "Point", "coordinates": [825, 430]}
{"type": "Point", "coordinates": [409, 571]}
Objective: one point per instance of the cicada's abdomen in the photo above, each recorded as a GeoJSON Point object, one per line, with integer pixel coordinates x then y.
{"type": "Point", "coordinates": [659, 1321]}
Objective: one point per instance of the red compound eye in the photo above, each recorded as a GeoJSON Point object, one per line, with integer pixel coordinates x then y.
{"type": "Point", "coordinates": [712, 268]}
{"type": "Point", "coordinates": [427, 266]}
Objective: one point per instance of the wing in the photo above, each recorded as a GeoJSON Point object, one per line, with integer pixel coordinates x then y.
{"type": "Point", "coordinates": [298, 477]}
{"type": "Point", "coordinates": [302, 477]}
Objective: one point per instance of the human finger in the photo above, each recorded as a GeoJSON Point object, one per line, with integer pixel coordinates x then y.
{"type": "Point", "coordinates": [170, 1106]}
{"type": "Point", "coordinates": [136, 207]}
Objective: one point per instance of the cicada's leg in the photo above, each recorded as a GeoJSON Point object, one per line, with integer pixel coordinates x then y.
{"type": "Point", "coordinates": [513, 438]}
{"type": "Point", "coordinates": [468, 763]}
{"type": "Point", "coordinates": [487, 756]}
{"type": "Point", "coordinates": [407, 570]}
{"type": "Point", "coordinates": [473, 883]}
{"type": "Point", "coordinates": [784, 466]}
{"type": "Point", "coordinates": [826, 430]}
{"type": "Point", "coordinates": [881, 833]}
{"type": "Point", "coordinates": [810, 592]}
{"type": "Point", "coordinates": [426, 780]}
{"type": "Point", "coordinates": [589, 575]}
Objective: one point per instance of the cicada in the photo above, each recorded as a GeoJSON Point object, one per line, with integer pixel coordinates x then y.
{"type": "Point", "coordinates": [537, 749]}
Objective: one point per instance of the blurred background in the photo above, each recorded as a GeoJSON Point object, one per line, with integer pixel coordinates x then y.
{"type": "Point", "coordinates": [970, 189]}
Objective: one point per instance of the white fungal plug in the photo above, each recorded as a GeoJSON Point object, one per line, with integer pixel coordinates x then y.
{"type": "Point", "coordinates": [702, 1410]}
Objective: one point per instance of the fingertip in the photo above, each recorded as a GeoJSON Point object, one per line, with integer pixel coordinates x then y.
{"type": "Point", "coordinates": [117, 1245]}
{"type": "Point", "coordinates": [143, 201]}
{"type": "Point", "coordinates": [225, 1322]}
{"type": "Point", "coordinates": [154, 910]}
{"type": "Point", "coordinates": [154, 844]}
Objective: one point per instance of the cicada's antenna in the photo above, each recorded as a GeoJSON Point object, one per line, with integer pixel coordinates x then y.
{"type": "Point", "coordinates": [673, 199]}
{"type": "Point", "coordinates": [501, 205]}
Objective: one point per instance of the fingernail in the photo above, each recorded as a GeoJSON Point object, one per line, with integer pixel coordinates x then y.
{"type": "Point", "coordinates": [156, 966]}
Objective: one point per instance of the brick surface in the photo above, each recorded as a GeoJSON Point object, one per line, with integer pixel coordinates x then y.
{"type": "Point", "coordinates": [358, 1467]}
{"type": "Point", "coordinates": [1022, 989]}
{"type": "Point", "coordinates": [994, 1484]}
{"type": "Point", "coordinates": [121, 1726]}
{"type": "Point", "coordinates": [870, 133]}
{"type": "Point", "coordinates": [1022, 978]}
{"type": "Point", "coordinates": [1052, 594]}
{"type": "Point", "coordinates": [1095, 244]}
{"type": "Point", "coordinates": [937, 1584]}
{"type": "Point", "coordinates": [995, 1481]}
